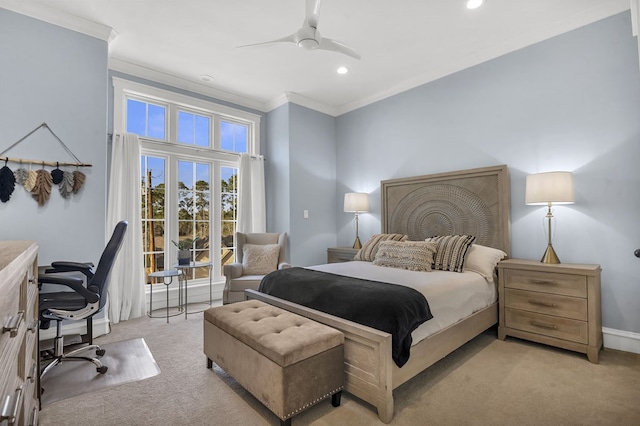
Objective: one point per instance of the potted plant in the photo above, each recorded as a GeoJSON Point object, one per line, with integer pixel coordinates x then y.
{"type": "Point", "coordinates": [184, 250]}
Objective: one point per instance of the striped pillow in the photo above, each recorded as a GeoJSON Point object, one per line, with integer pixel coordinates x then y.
{"type": "Point", "coordinates": [451, 251]}
{"type": "Point", "coordinates": [370, 248]}
{"type": "Point", "coordinates": [411, 255]}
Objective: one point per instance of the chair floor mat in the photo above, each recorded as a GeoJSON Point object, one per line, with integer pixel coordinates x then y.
{"type": "Point", "coordinates": [128, 361]}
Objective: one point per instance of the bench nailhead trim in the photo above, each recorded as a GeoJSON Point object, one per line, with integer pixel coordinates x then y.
{"type": "Point", "coordinates": [304, 407]}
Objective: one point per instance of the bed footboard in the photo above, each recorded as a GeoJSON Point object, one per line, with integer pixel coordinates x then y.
{"type": "Point", "coordinates": [367, 355]}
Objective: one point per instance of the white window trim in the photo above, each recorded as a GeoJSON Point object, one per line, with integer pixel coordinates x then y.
{"type": "Point", "coordinates": [126, 88]}
{"type": "Point", "coordinates": [122, 88]}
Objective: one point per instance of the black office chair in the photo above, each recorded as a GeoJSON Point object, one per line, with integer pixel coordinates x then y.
{"type": "Point", "coordinates": [80, 304]}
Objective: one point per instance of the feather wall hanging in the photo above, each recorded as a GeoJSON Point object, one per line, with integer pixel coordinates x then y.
{"type": "Point", "coordinates": [39, 183]}
{"type": "Point", "coordinates": [7, 183]}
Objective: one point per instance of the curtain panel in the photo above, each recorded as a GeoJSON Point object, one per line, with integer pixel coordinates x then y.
{"type": "Point", "coordinates": [251, 195]}
{"type": "Point", "coordinates": [126, 286]}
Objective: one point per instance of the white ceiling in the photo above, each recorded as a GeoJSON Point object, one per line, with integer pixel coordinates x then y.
{"type": "Point", "coordinates": [403, 43]}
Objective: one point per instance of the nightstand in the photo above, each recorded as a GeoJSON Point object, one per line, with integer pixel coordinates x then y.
{"type": "Point", "coordinates": [340, 254]}
{"type": "Point", "coordinates": [557, 305]}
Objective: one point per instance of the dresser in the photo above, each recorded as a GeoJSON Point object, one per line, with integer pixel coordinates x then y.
{"type": "Point", "coordinates": [557, 305]}
{"type": "Point", "coordinates": [340, 254]}
{"type": "Point", "coordinates": [19, 368]}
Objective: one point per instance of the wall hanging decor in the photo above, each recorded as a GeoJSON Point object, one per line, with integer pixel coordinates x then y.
{"type": "Point", "coordinates": [40, 182]}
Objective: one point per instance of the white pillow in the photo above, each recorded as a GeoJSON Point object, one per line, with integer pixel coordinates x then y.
{"type": "Point", "coordinates": [258, 259]}
{"type": "Point", "coordinates": [411, 255]}
{"type": "Point", "coordinates": [483, 260]}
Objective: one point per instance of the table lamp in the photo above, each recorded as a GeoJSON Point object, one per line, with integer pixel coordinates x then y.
{"type": "Point", "coordinates": [548, 189]}
{"type": "Point", "coordinates": [356, 202]}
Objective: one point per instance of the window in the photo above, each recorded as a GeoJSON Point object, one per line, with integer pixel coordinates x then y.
{"type": "Point", "coordinates": [189, 172]}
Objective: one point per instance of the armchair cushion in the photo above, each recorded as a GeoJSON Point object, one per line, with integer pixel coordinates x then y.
{"type": "Point", "coordinates": [260, 259]}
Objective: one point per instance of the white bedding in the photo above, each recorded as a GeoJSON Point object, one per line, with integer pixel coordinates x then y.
{"type": "Point", "coordinates": [452, 296]}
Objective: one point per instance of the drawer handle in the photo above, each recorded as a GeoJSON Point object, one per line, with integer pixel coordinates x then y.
{"type": "Point", "coordinates": [11, 406]}
{"type": "Point", "coordinates": [34, 417]}
{"type": "Point", "coordinates": [544, 282]}
{"type": "Point", "coordinates": [33, 325]}
{"type": "Point", "coordinates": [542, 325]}
{"type": "Point", "coordinates": [13, 324]}
{"type": "Point", "coordinates": [539, 303]}
{"type": "Point", "coordinates": [33, 373]}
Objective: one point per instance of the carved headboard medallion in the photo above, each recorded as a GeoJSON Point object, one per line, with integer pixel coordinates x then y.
{"type": "Point", "coordinates": [472, 202]}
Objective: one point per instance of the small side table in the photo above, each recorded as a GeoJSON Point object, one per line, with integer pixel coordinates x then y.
{"type": "Point", "coordinates": [185, 276]}
{"type": "Point", "coordinates": [164, 275]}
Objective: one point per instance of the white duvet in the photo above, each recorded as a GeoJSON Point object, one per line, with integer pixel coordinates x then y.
{"type": "Point", "coordinates": [452, 296]}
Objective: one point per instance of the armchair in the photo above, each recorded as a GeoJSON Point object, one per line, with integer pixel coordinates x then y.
{"type": "Point", "coordinates": [80, 304]}
{"type": "Point", "coordinates": [242, 274]}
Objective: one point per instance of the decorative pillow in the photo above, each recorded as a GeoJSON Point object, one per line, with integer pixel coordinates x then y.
{"type": "Point", "coordinates": [259, 259]}
{"type": "Point", "coordinates": [483, 260]}
{"type": "Point", "coordinates": [370, 248]}
{"type": "Point", "coordinates": [451, 251]}
{"type": "Point", "coordinates": [411, 255]}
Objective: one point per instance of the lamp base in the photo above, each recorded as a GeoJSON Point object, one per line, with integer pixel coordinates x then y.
{"type": "Point", "coordinates": [550, 256]}
{"type": "Point", "coordinates": [357, 244]}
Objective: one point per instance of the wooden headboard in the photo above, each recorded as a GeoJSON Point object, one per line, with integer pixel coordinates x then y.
{"type": "Point", "coordinates": [470, 202]}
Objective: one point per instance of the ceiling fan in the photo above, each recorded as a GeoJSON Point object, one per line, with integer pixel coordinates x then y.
{"type": "Point", "coordinates": [308, 37]}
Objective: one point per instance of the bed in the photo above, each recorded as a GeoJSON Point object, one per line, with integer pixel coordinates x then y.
{"type": "Point", "coordinates": [467, 202]}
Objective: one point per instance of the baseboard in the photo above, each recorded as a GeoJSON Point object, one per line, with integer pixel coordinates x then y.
{"type": "Point", "coordinates": [621, 340]}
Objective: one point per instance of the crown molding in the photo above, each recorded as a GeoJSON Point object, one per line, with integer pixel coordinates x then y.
{"type": "Point", "coordinates": [61, 19]}
{"type": "Point", "coordinates": [135, 70]}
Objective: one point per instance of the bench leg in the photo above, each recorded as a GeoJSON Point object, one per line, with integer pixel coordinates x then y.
{"type": "Point", "coordinates": [335, 399]}
{"type": "Point", "coordinates": [209, 363]}
{"type": "Point", "coordinates": [285, 422]}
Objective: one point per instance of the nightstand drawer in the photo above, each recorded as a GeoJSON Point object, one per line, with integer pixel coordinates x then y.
{"type": "Point", "coordinates": [545, 303]}
{"type": "Point", "coordinates": [547, 282]}
{"type": "Point", "coordinates": [340, 254]}
{"type": "Point", "coordinates": [561, 328]}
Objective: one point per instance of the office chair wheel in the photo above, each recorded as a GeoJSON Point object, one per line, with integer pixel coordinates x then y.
{"type": "Point", "coordinates": [100, 352]}
{"type": "Point", "coordinates": [102, 369]}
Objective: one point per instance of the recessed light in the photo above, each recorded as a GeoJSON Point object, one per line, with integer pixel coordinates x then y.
{"type": "Point", "coordinates": [474, 4]}
{"type": "Point", "coordinates": [206, 78]}
{"type": "Point", "coordinates": [342, 70]}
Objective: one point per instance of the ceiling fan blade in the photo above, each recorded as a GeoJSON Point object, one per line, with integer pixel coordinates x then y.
{"type": "Point", "coordinates": [313, 12]}
{"type": "Point", "coordinates": [337, 46]}
{"type": "Point", "coordinates": [288, 39]}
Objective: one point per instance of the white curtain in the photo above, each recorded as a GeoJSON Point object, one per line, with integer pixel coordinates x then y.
{"type": "Point", "coordinates": [251, 196]}
{"type": "Point", "coordinates": [126, 298]}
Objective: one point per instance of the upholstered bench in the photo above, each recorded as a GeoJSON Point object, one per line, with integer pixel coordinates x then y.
{"type": "Point", "coordinates": [288, 362]}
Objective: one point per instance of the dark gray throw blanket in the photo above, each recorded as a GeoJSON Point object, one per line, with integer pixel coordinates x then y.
{"type": "Point", "coordinates": [393, 308]}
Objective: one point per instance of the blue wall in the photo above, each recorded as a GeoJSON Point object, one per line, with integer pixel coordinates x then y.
{"type": "Point", "coordinates": [53, 75]}
{"type": "Point", "coordinates": [568, 103]}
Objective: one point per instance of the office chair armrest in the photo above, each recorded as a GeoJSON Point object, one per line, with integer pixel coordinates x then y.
{"type": "Point", "coordinates": [76, 284]}
{"type": "Point", "coordinates": [284, 265]}
{"type": "Point", "coordinates": [64, 266]}
{"type": "Point", "coordinates": [232, 270]}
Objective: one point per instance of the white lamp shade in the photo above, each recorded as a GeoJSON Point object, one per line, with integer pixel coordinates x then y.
{"type": "Point", "coordinates": [356, 202]}
{"type": "Point", "coordinates": [550, 188]}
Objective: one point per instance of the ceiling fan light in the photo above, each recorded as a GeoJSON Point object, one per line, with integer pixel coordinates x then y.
{"type": "Point", "coordinates": [474, 4]}
{"type": "Point", "coordinates": [308, 44]}
{"type": "Point", "coordinates": [342, 70]}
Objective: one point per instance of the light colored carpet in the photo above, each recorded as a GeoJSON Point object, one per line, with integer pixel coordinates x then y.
{"type": "Point", "coordinates": [128, 361]}
{"type": "Point", "coordinates": [485, 382]}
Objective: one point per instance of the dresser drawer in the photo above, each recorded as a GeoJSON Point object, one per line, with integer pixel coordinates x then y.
{"type": "Point", "coordinates": [561, 328]}
{"type": "Point", "coordinates": [547, 282]}
{"type": "Point", "coordinates": [546, 303]}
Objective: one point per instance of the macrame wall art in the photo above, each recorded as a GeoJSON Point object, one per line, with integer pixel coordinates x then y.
{"type": "Point", "coordinates": [40, 182]}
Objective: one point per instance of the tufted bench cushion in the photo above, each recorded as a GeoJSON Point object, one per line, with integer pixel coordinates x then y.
{"type": "Point", "coordinates": [283, 337]}
{"type": "Point", "coordinates": [285, 360]}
